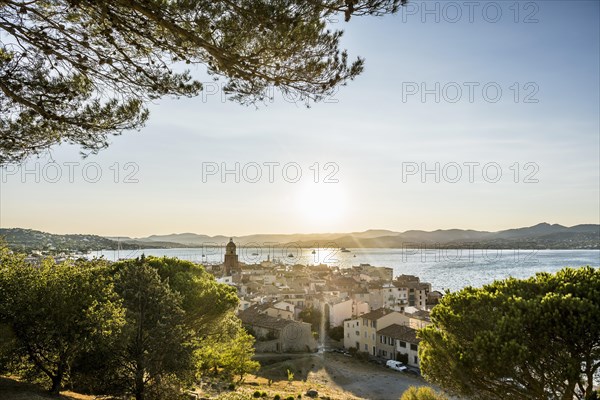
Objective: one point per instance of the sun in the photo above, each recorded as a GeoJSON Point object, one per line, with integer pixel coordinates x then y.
{"type": "Point", "coordinates": [321, 203]}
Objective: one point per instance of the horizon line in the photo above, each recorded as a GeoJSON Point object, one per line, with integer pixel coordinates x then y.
{"type": "Point", "coordinates": [309, 233]}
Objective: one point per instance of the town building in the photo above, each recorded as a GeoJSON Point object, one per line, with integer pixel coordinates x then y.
{"type": "Point", "coordinates": [364, 299]}
{"type": "Point", "coordinates": [279, 335]}
{"type": "Point", "coordinates": [400, 343]}
{"type": "Point", "coordinates": [361, 333]}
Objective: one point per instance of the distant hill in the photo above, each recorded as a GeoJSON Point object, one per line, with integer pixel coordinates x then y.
{"type": "Point", "coordinates": [540, 236]}
{"type": "Point", "coordinates": [28, 240]}
{"type": "Point", "coordinates": [188, 239]}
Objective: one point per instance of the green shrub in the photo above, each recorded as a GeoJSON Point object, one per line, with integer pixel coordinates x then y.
{"type": "Point", "coordinates": [256, 394]}
{"type": "Point", "coordinates": [593, 396]}
{"type": "Point", "coordinates": [422, 393]}
{"type": "Point", "coordinates": [337, 333]}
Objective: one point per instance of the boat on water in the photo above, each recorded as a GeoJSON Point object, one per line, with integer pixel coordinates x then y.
{"type": "Point", "coordinates": [254, 254]}
{"type": "Point", "coordinates": [290, 255]}
{"type": "Point", "coordinates": [344, 250]}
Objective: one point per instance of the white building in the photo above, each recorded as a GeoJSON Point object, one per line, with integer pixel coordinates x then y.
{"type": "Point", "coordinates": [400, 343]}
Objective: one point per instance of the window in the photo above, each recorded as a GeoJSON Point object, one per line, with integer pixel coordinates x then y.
{"type": "Point", "coordinates": [348, 335]}
{"type": "Point", "coordinates": [413, 347]}
{"type": "Point", "coordinates": [402, 344]}
{"type": "Point", "coordinates": [373, 337]}
{"type": "Point", "coordinates": [366, 347]}
{"type": "Point", "coordinates": [381, 339]}
{"type": "Point", "coordinates": [357, 333]}
{"type": "Point", "coordinates": [365, 334]}
{"type": "Point", "coordinates": [416, 360]}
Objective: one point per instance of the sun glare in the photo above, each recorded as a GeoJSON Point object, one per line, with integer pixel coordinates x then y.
{"type": "Point", "coordinates": [321, 204]}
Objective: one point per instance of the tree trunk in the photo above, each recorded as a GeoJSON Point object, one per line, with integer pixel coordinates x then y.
{"type": "Point", "coordinates": [139, 384]}
{"type": "Point", "coordinates": [56, 382]}
{"type": "Point", "coordinates": [570, 391]}
{"type": "Point", "coordinates": [590, 383]}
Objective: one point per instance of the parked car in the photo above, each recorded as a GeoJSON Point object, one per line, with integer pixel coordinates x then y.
{"type": "Point", "coordinates": [396, 365]}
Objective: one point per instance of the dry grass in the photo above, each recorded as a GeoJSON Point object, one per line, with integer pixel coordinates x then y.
{"type": "Point", "coordinates": [334, 376]}
{"type": "Point", "coordinates": [12, 389]}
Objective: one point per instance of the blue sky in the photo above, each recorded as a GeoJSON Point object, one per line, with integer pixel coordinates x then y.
{"type": "Point", "coordinates": [370, 132]}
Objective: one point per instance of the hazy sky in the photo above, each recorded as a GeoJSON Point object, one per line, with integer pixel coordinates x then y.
{"type": "Point", "coordinates": [375, 137]}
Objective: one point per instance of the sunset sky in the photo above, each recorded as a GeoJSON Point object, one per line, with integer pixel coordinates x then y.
{"type": "Point", "coordinates": [371, 135]}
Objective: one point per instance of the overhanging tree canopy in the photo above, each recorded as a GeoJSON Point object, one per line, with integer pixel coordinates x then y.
{"type": "Point", "coordinates": [80, 70]}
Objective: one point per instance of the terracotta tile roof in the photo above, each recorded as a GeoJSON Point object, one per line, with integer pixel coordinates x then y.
{"type": "Point", "coordinates": [420, 314]}
{"type": "Point", "coordinates": [254, 318]}
{"type": "Point", "coordinates": [376, 314]}
{"type": "Point", "coordinates": [400, 332]}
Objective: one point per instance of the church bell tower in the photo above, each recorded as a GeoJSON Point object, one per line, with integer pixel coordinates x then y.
{"type": "Point", "coordinates": [230, 265]}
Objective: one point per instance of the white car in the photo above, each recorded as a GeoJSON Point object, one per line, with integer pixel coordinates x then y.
{"type": "Point", "coordinates": [396, 365]}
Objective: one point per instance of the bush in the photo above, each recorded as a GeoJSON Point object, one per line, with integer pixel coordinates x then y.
{"type": "Point", "coordinates": [337, 333]}
{"type": "Point", "coordinates": [277, 397]}
{"type": "Point", "coordinates": [422, 393]}
{"type": "Point", "coordinates": [256, 394]}
{"type": "Point", "coordinates": [231, 396]}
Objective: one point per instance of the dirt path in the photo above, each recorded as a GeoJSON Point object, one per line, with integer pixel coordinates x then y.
{"type": "Point", "coordinates": [362, 380]}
